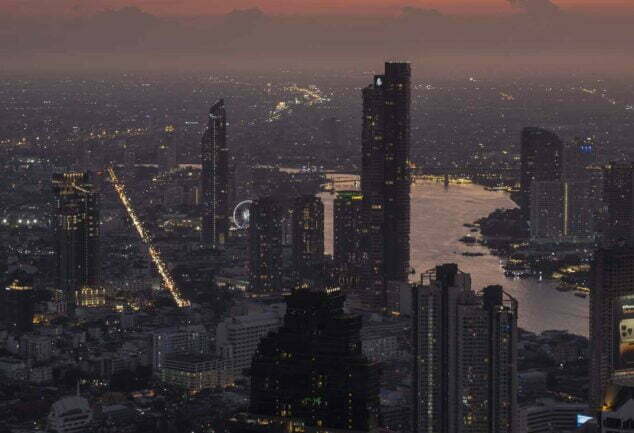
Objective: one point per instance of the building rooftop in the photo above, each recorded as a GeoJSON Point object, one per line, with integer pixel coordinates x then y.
{"type": "Point", "coordinates": [70, 404]}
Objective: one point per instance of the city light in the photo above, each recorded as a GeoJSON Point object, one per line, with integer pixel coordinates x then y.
{"type": "Point", "coordinates": [155, 255]}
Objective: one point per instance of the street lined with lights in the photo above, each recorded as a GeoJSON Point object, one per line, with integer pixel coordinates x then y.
{"type": "Point", "coordinates": [155, 255]}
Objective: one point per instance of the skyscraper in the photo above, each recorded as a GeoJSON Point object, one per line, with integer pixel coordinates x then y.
{"type": "Point", "coordinates": [77, 234]}
{"type": "Point", "coordinates": [611, 319]}
{"type": "Point", "coordinates": [308, 233]}
{"type": "Point", "coordinates": [560, 203]}
{"type": "Point", "coordinates": [465, 355]}
{"type": "Point", "coordinates": [16, 304]}
{"type": "Point", "coordinates": [313, 369]}
{"type": "Point", "coordinates": [578, 156]}
{"type": "Point", "coordinates": [547, 211]}
{"type": "Point", "coordinates": [581, 198]}
{"type": "Point", "coordinates": [348, 236]}
{"type": "Point", "coordinates": [215, 178]}
{"type": "Point", "coordinates": [265, 245]}
{"type": "Point", "coordinates": [618, 196]}
{"type": "Point", "coordinates": [385, 181]}
{"type": "Point", "coordinates": [541, 160]}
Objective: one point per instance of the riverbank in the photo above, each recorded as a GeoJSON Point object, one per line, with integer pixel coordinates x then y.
{"type": "Point", "coordinates": [438, 215]}
{"type": "Point", "coordinates": [506, 234]}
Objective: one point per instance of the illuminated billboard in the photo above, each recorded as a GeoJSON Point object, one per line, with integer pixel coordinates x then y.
{"type": "Point", "coordinates": [625, 323]}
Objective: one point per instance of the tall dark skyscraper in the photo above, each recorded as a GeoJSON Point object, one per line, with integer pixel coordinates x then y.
{"type": "Point", "coordinates": [618, 196]}
{"type": "Point", "coordinates": [308, 233]}
{"type": "Point", "coordinates": [465, 355]}
{"type": "Point", "coordinates": [215, 178]}
{"type": "Point", "coordinates": [541, 160]}
{"type": "Point", "coordinates": [265, 245]}
{"type": "Point", "coordinates": [578, 156]}
{"type": "Point", "coordinates": [557, 182]}
{"type": "Point", "coordinates": [611, 319]}
{"type": "Point", "coordinates": [16, 304]}
{"type": "Point", "coordinates": [385, 181]}
{"type": "Point", "coordinates": [313, 368]}
{"type": "Point", "coordinates": [348, 237]}
{"type": "Point", "coordinates": [77, 234]}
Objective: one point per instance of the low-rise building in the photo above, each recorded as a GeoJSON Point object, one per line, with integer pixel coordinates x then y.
{"type": "Point", "coordinates": [241, 335]}
{"type": "Point", "coordinates": [70, 415]}
{"type": "Point", "coordinates": [13, 368]}
{"type": "Point", "coordinates": [617, 413]}
{"type": "Point", "coordinates": [549, 416]}
{"type": "Point", "coordinates": [40, 374]}
{"type": "Point", "coordinates": [37, 347]}
{"type": "Point", "coordinates": [178, 340]}
{"type": "Point", "coordinates": [195, 372]}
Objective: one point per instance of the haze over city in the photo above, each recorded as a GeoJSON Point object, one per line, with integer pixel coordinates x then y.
{"type": "Point", "coordinates": [316, 216]}
{"type": "Point", "coordinates": [502, 36]}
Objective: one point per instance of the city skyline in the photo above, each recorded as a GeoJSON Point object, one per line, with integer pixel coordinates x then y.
{"type": "Point", "coordinates": [380, 7]}
{"type": "Point", "coordinates": [316, 217]}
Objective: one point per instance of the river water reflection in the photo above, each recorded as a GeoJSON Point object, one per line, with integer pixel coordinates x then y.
{"type": "Point", "coordinates": [437, 218]}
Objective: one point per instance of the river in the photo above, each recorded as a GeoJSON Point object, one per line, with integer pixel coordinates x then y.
{"type": "Point", "coordinates": [437, 218]}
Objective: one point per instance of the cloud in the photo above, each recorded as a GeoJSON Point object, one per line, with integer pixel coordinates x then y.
{"type": "Point", "coordinates": [537, 8]}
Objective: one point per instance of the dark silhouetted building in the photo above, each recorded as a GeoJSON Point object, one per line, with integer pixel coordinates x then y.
{"type": "Point", "coordinates": [215, 178]}
{"type": "Point", "coordinates": [578, 156]}
{"type": "Point", "coordinates": [618, 196]}
{"type": "Point", "coordinates": [617, 408]}
{"type": "Point", "coordinates": [541, 160]}
{"type": "Point", "coordinates": [385, 181]}
{"type": "Point", "coordinates": [308, 234]}
{"type": "Point", "coordinates": [465, 355]}
{"type": "Point", "coordinates": [348, 238]}
{"type": "Point", "coordinates": [77, 234]}
{"type": "Point", "coordinates": [16, 305]}
{"type": "Point", "coordinates": [265, 245]}
{"type": "Point", "coordinates": [313, 368]}
{"type": "Point", "coordinates": [563, 206]}
{"type": "Point", "coordinates": [611, 319]}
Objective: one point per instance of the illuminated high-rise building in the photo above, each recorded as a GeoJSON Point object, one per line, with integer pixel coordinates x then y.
{"type": "Point", "coordinates": [611, 320]}
{"type": "Point", "coordinates": [265, 245]}
{"type": "Point", "coordinates": [618, 196]}
{"type": "Point", "coordinates": [308, 233]}
{"type": "Point", "coordinates": [215, 178]}
{"type": "Point", "coordinates": [385, 182]}
{"type": "Point", "coordinates": [313, 369]}
{"type": "Point", "coordinates": [77, 234]}
{"type": "Point", "coordinates": [348, 237]}
{"type": "Point", "coordinates": [465, 355]}
{"type": "Point", "coordinates": [541, 160]}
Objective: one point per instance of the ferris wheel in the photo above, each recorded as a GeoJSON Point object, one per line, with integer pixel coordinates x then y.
{"type": "Point", "coordinates": [242, 215]}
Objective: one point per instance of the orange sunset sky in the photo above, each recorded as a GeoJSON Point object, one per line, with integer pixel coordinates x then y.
{"type": "Point", "coordinates": [352, 7]}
